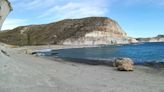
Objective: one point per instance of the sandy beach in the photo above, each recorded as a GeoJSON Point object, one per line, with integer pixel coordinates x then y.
{"type": "Point", "coordinates": [20, 72]}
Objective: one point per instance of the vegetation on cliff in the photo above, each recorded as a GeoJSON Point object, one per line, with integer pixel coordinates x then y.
{"type": "Point", "coordinates": [58, 32]}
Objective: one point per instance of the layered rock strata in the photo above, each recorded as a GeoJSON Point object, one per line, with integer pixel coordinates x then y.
{"type": "Point", "coordinates": [85, 31]}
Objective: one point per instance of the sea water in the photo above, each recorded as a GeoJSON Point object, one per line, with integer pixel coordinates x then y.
{"type": "Point", "coordinates": [142, 52]}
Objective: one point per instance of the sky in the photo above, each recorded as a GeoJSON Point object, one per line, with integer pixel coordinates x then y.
{"type": "Point", "coordinates": [138, 18]}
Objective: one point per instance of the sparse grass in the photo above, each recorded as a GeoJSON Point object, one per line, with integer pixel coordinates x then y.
{"type": "Point", "coordinates": [44, 34]}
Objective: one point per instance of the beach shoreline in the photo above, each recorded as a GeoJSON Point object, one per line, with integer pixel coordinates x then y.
{"type": "Point", "coordinates": [93, 61]}
{"type": "Point", "coordinates": [22, 72]}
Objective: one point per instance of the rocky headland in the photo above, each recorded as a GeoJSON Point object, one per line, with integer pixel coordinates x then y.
{"type": "Point", "coordinates": [159, 38]}
{"type": "Point", "coordinates": [85, 31]}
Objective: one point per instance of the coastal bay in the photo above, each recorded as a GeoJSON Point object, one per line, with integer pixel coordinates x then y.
{"type": "Point", "coordinates": [81, 46]}
{"type": "Point", "coordinates": [24, 72]}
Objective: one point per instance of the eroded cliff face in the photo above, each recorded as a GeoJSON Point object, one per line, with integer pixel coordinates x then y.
{"type": "Point", "coordinates": [97, 38]}
{"type": "Point", "coordinates": [100, 31]}
{"type": "Point", "coordinates": [86, 31]}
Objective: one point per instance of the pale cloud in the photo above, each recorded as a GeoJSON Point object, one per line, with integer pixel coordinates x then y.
{"type": "Point", "coordinates": [12, 23]}
{"type": "Point", "coordinates": [78, 9]}
{"type": "Point", "coordinates": [33, 4]}
{"type": "Point", "coordinates": [131, 2]}
{"type": "Point", "coordinates": [54, 10]}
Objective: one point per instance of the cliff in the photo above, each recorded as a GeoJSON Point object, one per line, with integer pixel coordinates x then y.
{"type": "Point", "coordinates": [5, 9]}
{"type": "Point", "coordinates": [159, 38]}
{"type": "Point", "coordinates": [86, 31]}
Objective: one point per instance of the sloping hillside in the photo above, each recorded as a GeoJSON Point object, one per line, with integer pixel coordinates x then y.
{"type": "Point", "coordinates": [86, 31]}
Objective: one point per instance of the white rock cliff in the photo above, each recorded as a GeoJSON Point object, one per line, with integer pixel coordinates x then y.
{"type": "Point", "coordinates": [5, 9]}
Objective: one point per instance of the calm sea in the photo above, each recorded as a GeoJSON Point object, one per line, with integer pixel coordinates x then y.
{"type": "Point", "coordinates": [144, 52]}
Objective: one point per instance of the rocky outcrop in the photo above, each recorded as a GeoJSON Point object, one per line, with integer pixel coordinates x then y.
{"type": "Point", "coordinates": [159, 38]}
{"type": "Point", "coordinates": [123, 64]}
{"type": "Point", "coordinates": [86, 31]}
{"type": "Point", "coordinates": [5, 9]}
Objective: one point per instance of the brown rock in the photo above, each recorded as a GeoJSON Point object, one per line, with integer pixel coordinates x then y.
{"type": "Point", "coordinates": [85, 31]}
{"type": "Point", "coordinates": [123, 64]}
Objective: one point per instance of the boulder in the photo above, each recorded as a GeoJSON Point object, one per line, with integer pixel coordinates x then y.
{"type": "Point", "coordinates": [123, 64]}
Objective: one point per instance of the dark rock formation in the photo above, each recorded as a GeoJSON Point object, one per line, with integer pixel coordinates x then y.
{"type": "Point", "coordinates": [86, 31]}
